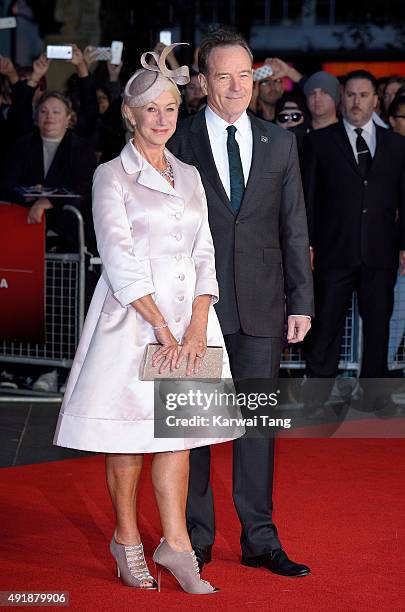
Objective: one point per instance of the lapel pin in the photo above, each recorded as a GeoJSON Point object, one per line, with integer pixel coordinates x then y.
{"type": "Point", "coordinates": [264, 139]}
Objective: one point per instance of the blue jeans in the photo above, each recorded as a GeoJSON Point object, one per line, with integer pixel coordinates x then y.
{"type": "Point", "coordinates": [397, 323]}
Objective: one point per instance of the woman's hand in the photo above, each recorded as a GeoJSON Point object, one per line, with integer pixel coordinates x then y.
{"type": "Point", "coordinates": [194, 347]}
{"type": "Point", "coordinates": [114, 71]}
{"type": "Point", "coordinates": [37, 210]}
{"type": "Point", "coordinates": [78, 60]}
{"type": "Point", "coordinates": [167, 354]}
{"type": "Point", "coordinates": [7, 69]}
{"type": "Point", "coordinates": [39, 69]}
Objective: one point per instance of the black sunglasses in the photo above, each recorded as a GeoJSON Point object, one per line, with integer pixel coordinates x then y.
{"type": "Point", "coordinates": [284, 117]}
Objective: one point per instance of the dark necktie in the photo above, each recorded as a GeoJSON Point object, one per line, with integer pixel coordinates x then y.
{"type": "Point", "coordinates": [363, 153]}
{"type": "Point", "coordinates": [235, 169]}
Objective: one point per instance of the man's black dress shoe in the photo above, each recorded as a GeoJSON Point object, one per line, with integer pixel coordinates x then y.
{"type": "Point", "coordinates": [203, 556]}
{"type": "Point", "coordinates": [277, 562]}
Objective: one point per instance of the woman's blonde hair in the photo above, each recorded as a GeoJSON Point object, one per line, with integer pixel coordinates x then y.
{"type": "Point", "coordinates": [126, 110]}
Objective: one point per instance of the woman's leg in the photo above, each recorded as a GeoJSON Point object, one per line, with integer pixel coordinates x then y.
{"type": "Point", "coordinates": [170, 482]}
{"type": "Point", "coordinates": [123, 472]}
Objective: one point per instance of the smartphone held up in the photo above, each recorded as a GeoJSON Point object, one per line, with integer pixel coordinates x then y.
{"type": "Point", "coordinates": [111, 54]}
{"type": "Point", "coordinates": [60, 52]}
{"type": "Point", "coordinates": [7, 23]}
{"type": "Point", "coordinates": [165, 37]}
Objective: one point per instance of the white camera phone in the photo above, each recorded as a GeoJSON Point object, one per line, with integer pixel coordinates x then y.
{"type": "Point", "coordinates": [101, 54]}
{"type": "Point", "coordinates": [117, 47]}
{"type": "Point", "coordinates": [7, 22]}
{"type": "Point", "coordinates": [165, 37]}
{"type": "Point", "coordinates": [62, 52]}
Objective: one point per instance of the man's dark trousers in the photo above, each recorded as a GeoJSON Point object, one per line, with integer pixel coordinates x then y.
{"type": "Point", "coordinates": [253, 461]}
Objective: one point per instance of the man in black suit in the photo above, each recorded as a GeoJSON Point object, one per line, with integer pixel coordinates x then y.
{"type": "Point", "coordinates": [251, 176]}
{"type": "Point", "coordinates": [354, 183]}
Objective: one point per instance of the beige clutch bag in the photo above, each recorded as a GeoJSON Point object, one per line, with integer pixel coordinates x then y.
{"type": "Point", "coordinates": [211, 367]}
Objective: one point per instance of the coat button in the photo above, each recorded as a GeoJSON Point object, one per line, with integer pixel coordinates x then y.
{"type": "Point", "coordinates": [365, 183]}
{"type": "Point", "coordinates": [178, 237]}
{"type": "Point", "coordinates": [178, 216]}
{"type": "Point", "coordinates": [181, 277]}
{"type": "Point", "coordinates": [181, 298]}
{"type": "Point", "coordinates": [177, 257]}
{"type": "Point", "coordinates": [177, 319]}
{"type": "Point", "coordinates": [364, 210]}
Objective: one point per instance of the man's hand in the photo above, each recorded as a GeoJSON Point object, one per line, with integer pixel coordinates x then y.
{"type": "Point", "coordinates": [311, 258]}
{"type": "Point", "coordinates": [37, 210]}
{"type": "Point", "coordinates": [8, 70]}
{"type": "Point", "coordinates": [402, 263]}
{"type": "Point", "coordinates": [158, 48]}
{"type": "Point", "coordinates": [89, 55]}
{"type": "Point", "coordinates": [79, 62]}
{"type": "Point", "coordinates": [39, 69]}
{"type": "Point", "coordinates": [298, 327]}
{"type": "Point", "coordinates": [281, 69]}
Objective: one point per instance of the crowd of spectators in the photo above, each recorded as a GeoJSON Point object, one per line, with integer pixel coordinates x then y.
{"type": "Point", "coordinates": [56, 138]}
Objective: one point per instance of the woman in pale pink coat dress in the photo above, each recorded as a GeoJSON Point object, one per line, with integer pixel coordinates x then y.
{"type": "Point", "coordinates": [158, 285]}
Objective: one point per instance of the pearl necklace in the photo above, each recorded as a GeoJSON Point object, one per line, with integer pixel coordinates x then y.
{"type": "Point", "coordinates": [168, 171]}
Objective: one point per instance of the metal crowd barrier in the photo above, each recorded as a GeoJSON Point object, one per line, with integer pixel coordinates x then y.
{"type": "Point", "coordinates": [64, 309]}
{"type": "Point", "coordinates": [64, 317]}
{"type": "Point", "coordinates": [396, 346]}
{"type": "Point", "coordinates": [350, 350]}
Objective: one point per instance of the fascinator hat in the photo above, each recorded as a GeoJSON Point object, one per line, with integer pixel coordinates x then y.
{"type": "Point", "coordinates": [153, 79]}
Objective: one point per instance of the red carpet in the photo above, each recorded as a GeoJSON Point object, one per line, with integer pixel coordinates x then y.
{"type": "Point", "coordinates": [339, 507]}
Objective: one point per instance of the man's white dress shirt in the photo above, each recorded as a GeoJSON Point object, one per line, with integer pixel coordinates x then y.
{"type": "Point", "coordinates": [368, 133]}
{"type": "Point", "coordinates": [218, 136]}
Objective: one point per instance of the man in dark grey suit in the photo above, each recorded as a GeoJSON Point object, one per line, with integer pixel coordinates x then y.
{"type": "Point", "coordinates": [251, 176]}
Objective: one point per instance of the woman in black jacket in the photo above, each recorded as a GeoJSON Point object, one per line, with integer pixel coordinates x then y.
{"type": "Point", "coordinates": [52, 156]}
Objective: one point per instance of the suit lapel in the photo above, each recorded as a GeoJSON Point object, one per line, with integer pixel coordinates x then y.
{"type": "Point", "coordinates": [146, 175]}
{"type": "Point", "coordinates": [150, 178]}
{"type": "Point", "coordinates": [261, 143]}
{"type": "Point", "coordinates": [380, 134]}
{"type": "Point", "coordinates": [202, 152]}
{"type": "Point", "coordinates": [343, 141]}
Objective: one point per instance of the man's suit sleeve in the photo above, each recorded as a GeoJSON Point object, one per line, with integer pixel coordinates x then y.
{"type": "Point", "coordinates": [129, 277]}
{"type": "Point", "coordinates": [308, 182]}
{"type": "Point", "coordinates": [203, 253]}
{"type": "Point", "coordinates": [294, 240]}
